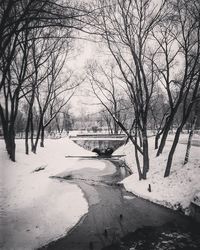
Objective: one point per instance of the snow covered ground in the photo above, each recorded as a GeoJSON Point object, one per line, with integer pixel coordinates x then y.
{"type": "Point", "coordinates": [176, 191]}
{"type": "Point", "coordinates": [36, 209]}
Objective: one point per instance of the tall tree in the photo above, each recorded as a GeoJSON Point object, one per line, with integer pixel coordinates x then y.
{"type": "Point", "coordinates": [187, 20]}
{"type": "Point", "coordinates": [19, 19]}
{"type": "Point", "coordinates": [126, 27]}
{"type": "Point", "coordinates": [178, 38]}
{"type": "Point", "coordinates": [16, 76]}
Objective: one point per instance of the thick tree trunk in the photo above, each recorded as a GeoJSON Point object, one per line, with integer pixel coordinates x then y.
{"type": "Point", "coordinates": [10, 142]}
{"type": "Point", "coordinates": [190, 140]}
{"type": "Point", "coordinates": [9, 134]}
{"type": "Point", "coordinates": [173, 148]}
{"type": "Point", "coordinates": [12, 146]}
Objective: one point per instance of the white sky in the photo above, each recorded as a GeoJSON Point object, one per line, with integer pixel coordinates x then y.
{"type": "Point", "coordinates": [85, 51]}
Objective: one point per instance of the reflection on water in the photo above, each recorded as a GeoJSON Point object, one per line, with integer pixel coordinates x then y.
{"type": "Point", "coordinates": [166, 237]}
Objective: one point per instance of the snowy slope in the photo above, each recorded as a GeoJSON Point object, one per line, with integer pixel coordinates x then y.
{"type": "Point", "coordinates": [176, 191]}
{"type": "Point", "coordinates": [36, 209]}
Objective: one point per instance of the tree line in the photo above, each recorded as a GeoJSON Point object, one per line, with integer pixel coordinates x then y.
{"type": "Point", "coordinates": [155, 46]}
{"type": "Point", "coordinates": [35, 40]}
{"type": "Point", "coordinates": [153, 72]}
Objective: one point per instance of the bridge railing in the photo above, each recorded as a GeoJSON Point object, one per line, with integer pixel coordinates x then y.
{"type": "Point", "coordinates": [99, 136]}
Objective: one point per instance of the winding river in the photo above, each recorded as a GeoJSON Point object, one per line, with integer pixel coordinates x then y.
{"type": "Point", "coordinates": [119, 220]}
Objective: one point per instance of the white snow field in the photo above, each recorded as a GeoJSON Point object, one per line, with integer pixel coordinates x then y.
{"type": "Point", "coordinates": [36, 209]}
{"type": "Point", "coordinates": [176, 191]}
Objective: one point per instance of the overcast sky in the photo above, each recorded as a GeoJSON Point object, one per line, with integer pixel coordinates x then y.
{"type": "Point", "coordinates": [84, 51]}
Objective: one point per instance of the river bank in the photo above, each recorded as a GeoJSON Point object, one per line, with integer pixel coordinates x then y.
{"type": "Point", "coordinates": [176, 191]}
{"type": "Point", "coordinates": [32, 205]}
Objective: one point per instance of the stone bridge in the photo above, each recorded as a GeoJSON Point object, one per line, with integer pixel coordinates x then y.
{"type": "Point", "coordinates": [100, 143]}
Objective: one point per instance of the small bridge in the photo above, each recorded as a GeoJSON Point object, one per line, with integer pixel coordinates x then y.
{"type": "Point", "coordinates": [103, 144]}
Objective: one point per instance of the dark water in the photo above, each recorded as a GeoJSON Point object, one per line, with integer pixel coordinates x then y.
{"type": "Point", "coordinates": [120, 220]}
{"type": "Point", "coordinates": [170, 236]}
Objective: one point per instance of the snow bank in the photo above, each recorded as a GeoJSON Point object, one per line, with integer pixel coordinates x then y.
{"type": "Point", "coordinates": [178, 190]}
{"type": "Point", "coordinates": [36, 209]}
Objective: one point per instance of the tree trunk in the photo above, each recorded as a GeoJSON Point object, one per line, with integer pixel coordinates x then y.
{"type": "Point", "coordinates": [32, 131]}
{"type": "Point", "coordinates": [9, 134]}
{"type": "Point", "coordinates": [27, 133]}
{"type": "Point", "coordinates": [10, 142]}
{"type": "Point", "coordinates": [177, 135]}
{"type": "Point", "coordinates": [42, 137]}
{"type": "Point", "coordinates": [157, 137]}
{"type": "Point", "coordinates": [116, 128]}
{"type": "Point", "coordinates": [26, 141]}
{"type": "Point", "coordinates": [145, 155]}
{"type": "Point", "coordinates": [12, 146]}
{"type": "Point", "coordinates": [137, 157]}
{"type": "Point", "coordinates": [164, 136]}
{"type": "Point", "coordinates": [171, 153]}
{"type": "Point", "coordinates": [190, 140]}
{"type": "Point", "coordinates": [140, 138]}
{"type": "Point", "coordinates": [34, 148]}
{"type": "Point", "coordinates": [57, 125]}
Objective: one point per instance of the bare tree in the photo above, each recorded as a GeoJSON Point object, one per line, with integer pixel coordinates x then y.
{"type": "Point", "coordinates": [159, 109]}
{"type": "Point", "coordinates": [186, 17]}
{"type": "Point", "coordinates": [16, 75]}
{"type": "Point", "coordinates": [178, 38]}
{"type": "Point", "coordinates": [106, 82]}
{"type": "Point", "coordinates": [16, 15]}
{"type": "Point", "coordinates": [54, 93]}
{"type": "Point", "coordinates": [126, 27]}
{"type": "Point", "coordinates": [18, 20]}
{"type": "Point", "coordinates": [105, 89]}
{"type": "Point", "coordinates": [41, 50]}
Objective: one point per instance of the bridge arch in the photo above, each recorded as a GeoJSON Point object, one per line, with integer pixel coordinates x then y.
{"type": "Point", "coordinates": [103, 145]}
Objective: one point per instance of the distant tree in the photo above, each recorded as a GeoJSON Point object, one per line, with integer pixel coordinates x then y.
{"type": "Point", "coordinates": [20, 123]}
{"type": "Point", "coordinates": [105, 82]}
{"type": "Point", "coordinates": [94, 129]}
{"type": "Point", "coordinates": [53, 94]}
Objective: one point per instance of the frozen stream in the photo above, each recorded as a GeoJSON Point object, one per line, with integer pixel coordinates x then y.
{"type": "Point", "coordinates": [119, 220]}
